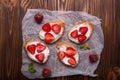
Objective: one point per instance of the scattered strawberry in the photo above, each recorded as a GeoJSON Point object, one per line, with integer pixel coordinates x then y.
{"type": "Point", "coordinates": [48, 37]}
{"type": "Point", "coordinates": [56, 28]}
{"type": "Point", "coordinates": [72, 61]}
{"type": "Point", "coordinates": [61, 55]}
{"type": "Point", "coordinates": [70, 52]}
{"type": "Point", "coordinates": [93, 58]}
{"type": "Point", "coordinates": [40, 47]}
{"type": "Point", "coordinates": [81, 38]}
{"type": "Point", "coordinates": [83, 30]}
{"type": "Point", "coordinates": [46, 72]}
{"type": "Point", "coordinates": [38, 18]}
{"type": "Point", "coordinates": [31, 48]}
{"type": "Point", "coordinates": [46, 27]}
{"type": "Point", "coordinates": [74, 34]}
{"type": "Point", "coordinates": [40, 57]}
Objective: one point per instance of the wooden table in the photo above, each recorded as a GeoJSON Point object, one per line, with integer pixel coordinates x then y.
{"type": "Point", "coordinates": [13, 11]}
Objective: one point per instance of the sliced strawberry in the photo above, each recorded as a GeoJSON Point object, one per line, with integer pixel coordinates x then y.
{"type": "Point", "coordinates": [56, 28]}
{"type": "Point", "coordinates": [31, 48]}
{"type": "Point", "coordinates": [46, 27]}
{"type": "Point", "coordinates": [70, 52]}
{"type": "Point", "coordinates": [81, 38]}
{"type": "Point", "coordinates": [40, 57]}
{"type": "Point", "coordinates": [61, 55]}
{"type": "Point", "coordinates": [40, 47]}
{"type": "Point", "coordinates": [48, 37]}
{"type": "Point", "coordinates": [74, 34]}
{"type": "Point", "coordinates": [83, 30]}
{"type": "Point", "coordinates": [72, 61]}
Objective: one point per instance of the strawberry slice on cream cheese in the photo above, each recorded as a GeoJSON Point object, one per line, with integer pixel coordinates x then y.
{"type": "Point", "coordinates": [67, 54]}
{"type": "Point", "coordinates": [36, 51]}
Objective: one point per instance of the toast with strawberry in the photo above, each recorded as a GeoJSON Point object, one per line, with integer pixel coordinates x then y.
{"type": "Point", "coordinates": [52, 31]}
{"type": "Point", "coordinates": [36, 51]}
{"type": "Point", "coordinates": [81, 32]}
{"type": "Point", "coordinates": [67, 54]}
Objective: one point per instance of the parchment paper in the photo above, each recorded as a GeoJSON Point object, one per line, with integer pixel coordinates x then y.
{"type": "Point", "coordinates": [30, 30]}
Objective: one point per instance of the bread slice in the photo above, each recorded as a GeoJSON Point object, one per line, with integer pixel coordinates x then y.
{"type": "Point", "coordinates": [56, 36]}
{"type": "Point", "coordinates": [82, 37]}
{"type": "Point", "coordinates": [67, 54]}
{"type": "Point", "coordinates": [35, 49]}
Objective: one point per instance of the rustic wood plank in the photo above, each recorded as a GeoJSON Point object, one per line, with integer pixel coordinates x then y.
{"type": "Point", "coordinates": [118, 30]}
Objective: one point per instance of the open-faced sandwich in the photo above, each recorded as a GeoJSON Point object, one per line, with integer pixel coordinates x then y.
{"type": "Point", "coordinates": [81, 32]}
{"type": "Point", "coordinates": [67, 54]}
{"type": "Point", "coordinates": [36, 51]}
{"type": "Point", "coordinates": [52, 31]}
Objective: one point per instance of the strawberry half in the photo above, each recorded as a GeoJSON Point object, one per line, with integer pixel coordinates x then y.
{"type": "Point", "coordinates": [38, 18]}
{"type": "Point", "coordinates": [74, 34]}
{"type": "Point", "coordinates": [48, 37]}
{"type": "Point", "coordinates": [31, 48]}
{"type": "Point", "coordinates": [46, 27]}
{"type": "Point", "coordinates": [81, 38]}
{"type": "Point", "coordinates": [70, 52]}
{"type": "Point", "coordinates": [83, 30]}
{"type": "Point", "coordinates": [72, 61]}
{"type": "Point", "coordinates": [56, 28]}
{"type": "Point", "coordinates": [93, 58]}
{"type": "Point", "coordinates": [61, 55]}
{"type": "Point", "coordinates": [46, 72]}
{"type": "Point", "coordinates": [40, 47]}
{"type": "Point", "coordinates": [40, 57]}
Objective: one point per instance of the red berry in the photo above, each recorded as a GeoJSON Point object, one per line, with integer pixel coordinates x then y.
{"type": "Point", "coordinates": [61, 55]}
{"type": "Point", "coordinates": [48, 37]}
{"type": "Point", "coordinates": [40, 57]}
{"type": "Point", "coordinates": [31, 48]}
{"type": "Point", "coordinates": [56, 28]}
{"type": "Point", "coordinates": [38, 18]}
{"type": "Point", "coordinates": [72, 61]}
{"type": "Point", "coordinates": [46, 27]}
{"type": "Point", "coordinates": [40, 47]}
{"type": "Point", "coordinates": [46, 72]}
{"type": "Point", "coordinates": [93, 58]}
{"type": "Point", "coordinates": [81, 38]}
{"type": "Point", "coordinates": [83, 30]}
{"type": "Point", "coordinates": [74, 34]}
{"type": "Point", "coordinates": [70, 52]}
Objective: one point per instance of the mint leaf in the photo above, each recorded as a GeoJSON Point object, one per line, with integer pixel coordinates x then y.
{"type": "Point", "coordinates": [31, 69]}
{"type": "Point", "coordinates": [84, 47]}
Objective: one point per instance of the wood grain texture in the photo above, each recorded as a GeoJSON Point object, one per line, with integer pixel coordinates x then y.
{"type": "Point", "coordinates": [13, 11]}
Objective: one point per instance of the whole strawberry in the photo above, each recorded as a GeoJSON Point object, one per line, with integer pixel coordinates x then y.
{"type": "Point", "coordinates": [46, 73]}
{"type": "Point", "coordinates": [93, 58]}
{"type": "Point", "coordinates": [38, 18]}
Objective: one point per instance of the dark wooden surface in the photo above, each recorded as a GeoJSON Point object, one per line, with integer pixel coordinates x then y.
{"type": "Point", "coordinates": [13, 11]}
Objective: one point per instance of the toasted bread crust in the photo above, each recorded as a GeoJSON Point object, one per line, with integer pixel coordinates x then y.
{"type": "Point", "coordinates": [62, 24]}
{"type": "Point", "coordinates": [90, 25]}
{"type": "Point", "coordinates": [27, 42]}
{"type": "Point", "coordinates": [65, 44]}
{"type": "Point", "coordinates": [59, 44]}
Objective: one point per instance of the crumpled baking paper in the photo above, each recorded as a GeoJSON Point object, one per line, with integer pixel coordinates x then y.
{"type": "Point", "coordinates": [30, 30]}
